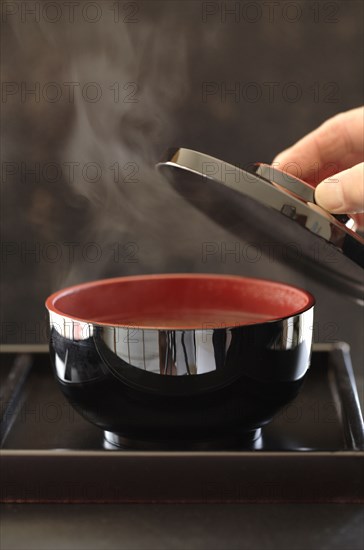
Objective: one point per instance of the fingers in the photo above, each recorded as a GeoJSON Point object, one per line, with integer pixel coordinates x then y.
{"type": "Point", "coordinates": [333, 147]}
{"type": "Point", "coordinates": [344, 192]}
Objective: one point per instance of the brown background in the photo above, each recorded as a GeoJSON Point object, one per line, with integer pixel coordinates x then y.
{"type": "Point", "coordinates": [161, 55]}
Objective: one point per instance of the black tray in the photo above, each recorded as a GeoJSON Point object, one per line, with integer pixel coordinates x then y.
{"type": "Point", "coordinates": [312, 451]}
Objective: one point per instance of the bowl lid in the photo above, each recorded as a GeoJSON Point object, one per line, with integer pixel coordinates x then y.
{"type": "Point", "coordinates": [272, 204]}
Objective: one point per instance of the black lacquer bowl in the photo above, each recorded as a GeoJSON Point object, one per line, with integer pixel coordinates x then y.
{"type": "Point", "coordinates": [182, 357]}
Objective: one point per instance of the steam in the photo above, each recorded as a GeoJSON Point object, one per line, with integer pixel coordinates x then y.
{"type": "Point", "coordinates": [105, 212]}
{"type": "Point", "coordinates": [122, 86]}
{"type": "Point", "coordinates": [140, 81]}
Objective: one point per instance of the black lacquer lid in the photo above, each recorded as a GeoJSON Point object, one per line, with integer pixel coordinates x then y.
{"type": "Point", "coordinates": [270, 203]}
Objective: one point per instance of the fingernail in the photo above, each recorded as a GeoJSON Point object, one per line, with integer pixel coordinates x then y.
{"type": "Point", "coordinates": [329, 195]}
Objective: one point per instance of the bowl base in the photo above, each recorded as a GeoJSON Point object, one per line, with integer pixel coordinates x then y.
{"type": "Point", "coordinates": [251, 440]}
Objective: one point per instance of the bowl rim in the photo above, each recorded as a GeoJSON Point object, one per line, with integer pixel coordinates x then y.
{"type": "Point", "coordinates": [50, 302]}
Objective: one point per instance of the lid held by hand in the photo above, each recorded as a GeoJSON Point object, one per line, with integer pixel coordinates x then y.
{"type": "Point", "coordinates": [275, 205]}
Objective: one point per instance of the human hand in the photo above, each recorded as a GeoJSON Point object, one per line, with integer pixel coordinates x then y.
{"type": "Point", "coordinates": [332, 157]}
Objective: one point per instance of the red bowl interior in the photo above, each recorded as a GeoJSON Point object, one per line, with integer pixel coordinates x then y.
{"type": "Point", "coordinates": [183, 301]}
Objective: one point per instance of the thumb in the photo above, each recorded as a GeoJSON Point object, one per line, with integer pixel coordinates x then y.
{"type": "Point", "coordinates": [343, 192]}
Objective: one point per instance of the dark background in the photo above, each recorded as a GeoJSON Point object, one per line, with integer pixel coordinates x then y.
{"type": "Point", "coordinates": [159, 74]}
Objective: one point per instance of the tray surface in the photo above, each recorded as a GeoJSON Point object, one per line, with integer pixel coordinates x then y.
{"type": "Point", "coordinates": [313, 449]}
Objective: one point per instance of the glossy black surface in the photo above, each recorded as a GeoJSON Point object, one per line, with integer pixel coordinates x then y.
{"type": "Point", "coordinates": [253, 381]}
{"type": "Point", "coordinates": [307, 453]}
{"type": "Point", "coordinates": [253, 208]}
{"type": "Point", "coordinates": [294, 185]}
{"type": "Point", "coordinates": [324, 416]}
{"type": "Point", "coordinates": [312, 451]}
